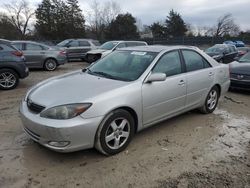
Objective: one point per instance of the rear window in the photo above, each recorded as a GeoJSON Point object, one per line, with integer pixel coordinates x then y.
{"type": "Point", "coordinates": [6, 47]}
{"type": "Point", "coordinates": [84, 43]}
{"type": "Point", "coordinates": [18, 45]}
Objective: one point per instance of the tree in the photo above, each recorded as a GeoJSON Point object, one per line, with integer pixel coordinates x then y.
{"type": "Point", "coordinates": [123, 27]}
{"type": "Point", "coordinates": [7, 30]}
{"type": "Point", "coordinates": [226, 26]}
{"type": "Point", "coordinates": [19, 15]}
{"type": "Point", "coordinates": [57, 20]}
{"type": "Point", "coordinates": [175, 26]}
{"type": "Point", "coordinates": [158, 30]}
{"type": "Point", "coordinates": [100, 17]}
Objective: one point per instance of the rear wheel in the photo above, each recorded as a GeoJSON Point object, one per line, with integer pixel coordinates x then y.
{"type": "Point", "coordinates": [211, 101]}
{"type": "Point", "coordinates": [115, 132]}
{"type": "Point", "coordinates": [50, 65]}
{"type": "Point", "coordinates": [8, 79]}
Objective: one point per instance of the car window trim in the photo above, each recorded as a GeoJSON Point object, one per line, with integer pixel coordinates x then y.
{"type": "Point", "coordinates": [181, 51]}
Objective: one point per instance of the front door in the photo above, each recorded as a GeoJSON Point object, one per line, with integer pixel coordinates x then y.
{"type": "Point", "coordinates": [161, 99]}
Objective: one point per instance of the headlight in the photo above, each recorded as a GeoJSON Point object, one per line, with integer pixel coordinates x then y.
{"type": "Point", "coordinates": [65, 111]}
{"type": "Point", "coordinates": [217, 56]}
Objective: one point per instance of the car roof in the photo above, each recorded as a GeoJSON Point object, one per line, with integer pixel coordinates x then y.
{"type": "Point", "coordinates": [28, 41]}
{"type": "Point", "coordinates": [5, 41]}
{"type": "Point", "coordinates": [158, 48]}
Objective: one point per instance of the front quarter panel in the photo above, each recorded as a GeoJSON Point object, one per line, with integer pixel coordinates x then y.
{"type": "Point", "coordinates": [127, 96]}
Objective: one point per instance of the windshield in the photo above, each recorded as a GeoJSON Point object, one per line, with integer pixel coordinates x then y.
{"type": "Point", "coordinates": [108, 45]}
{"type": "Point", "coordinates": [245, 58]}
{"type": "Point", "coordinates": [123, 65]}
{"type": "Point", "coordinates": [215, 50]}
{"type": "Point", "coordinates": [63, 43]}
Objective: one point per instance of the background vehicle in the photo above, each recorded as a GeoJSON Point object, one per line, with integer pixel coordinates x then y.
{"type": "Point", "coordinates": [223, 53]}
{"type": "Point", "coordinates": [110, 46]}
{"type": "Point", "coordinates": [242, 51]}
{"type": "Point", "coordinates": [77, 48]}
{"type": "Point", "coordinates": [239, 43]}
{"type": "Point", "coordinates": [12, 66]}
{"type": "Point", "coordinates": [133, 88]}
{"type": "Point", "coordinates": [39, 55]}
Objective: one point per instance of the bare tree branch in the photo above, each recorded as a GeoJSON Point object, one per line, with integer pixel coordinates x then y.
{"type": "Point", "coordinates": [19, 15]}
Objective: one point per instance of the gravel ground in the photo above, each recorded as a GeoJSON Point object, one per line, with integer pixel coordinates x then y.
{"type": "Point", "coordinates": [191, 150]}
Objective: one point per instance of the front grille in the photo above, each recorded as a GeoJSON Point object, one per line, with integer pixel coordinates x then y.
{"type": "Point", "coordinates": [240, 77]}
{"type": "Point", "coordinates": [36, 108]}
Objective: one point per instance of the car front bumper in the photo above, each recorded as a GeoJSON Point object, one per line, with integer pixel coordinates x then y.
{"type": "Point", "coordinates": [240, 84]}
{"type": "Point", "coordinates": [78, 133]}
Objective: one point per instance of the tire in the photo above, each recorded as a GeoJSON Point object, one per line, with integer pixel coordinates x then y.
{"type": "Point", "coordinates": [50, 64]}
{"type": "Point", "coordinates": [115, 132]}
{"type": "Point", "coordinates": [221, 61]}
{"type": "Point", "coordinates": [211, 101]}
{"type": "Point", "coordinates": [8, 79]}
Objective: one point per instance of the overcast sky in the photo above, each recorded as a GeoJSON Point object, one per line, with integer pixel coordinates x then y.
{"type": "Point", "coordinates": [195, 12]}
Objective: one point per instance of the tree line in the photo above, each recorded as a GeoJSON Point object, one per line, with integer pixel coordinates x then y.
{"type": "Point", "coordinates": [61, 19]}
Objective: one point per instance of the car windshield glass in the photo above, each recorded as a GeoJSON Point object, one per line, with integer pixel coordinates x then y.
{"type": "Point", "coordinates": [245, 58]}
{"type": "Point", "coordinates": [63, 43]}
{"type": "Point", "coordinates": [215, 50]}
{"type": "Point", "coordinates": [123, 65]}
{"type": "Point", "coordinates": [108, 45]}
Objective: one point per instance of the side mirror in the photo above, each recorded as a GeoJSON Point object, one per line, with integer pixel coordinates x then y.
{"type": "Point", "coordinates": [156, 77]}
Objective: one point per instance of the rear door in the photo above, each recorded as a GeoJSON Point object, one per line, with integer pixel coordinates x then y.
{"type": "Point", "coordinates": [85, 46]}
{"type": "Point", "coordinates": [34, 55]}
{"type": "Point", "coordinates": [200, 76]}
{"type": "Point", "coordinates": [162, 99]}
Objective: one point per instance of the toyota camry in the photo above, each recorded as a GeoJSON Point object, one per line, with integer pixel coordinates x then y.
{"type": "Point", "coordinates": [105, 104]}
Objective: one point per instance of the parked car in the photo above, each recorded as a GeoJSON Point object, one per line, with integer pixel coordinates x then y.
{"type": "Point", "coordinates": [104, 105]}
{"type": "Point", "coordinates": [229, 42]}
{"type": "Point", "coordinates": [239, 43]}
{"type": "Point", "coordinates": [12, 66]}
{"type": "Point", "coordinates": [39, 55]}
{"type": "Point", "coordinates": [223, 53]}
{"type": "Point", "coordinates": [242, 51]}
{"type": "Point", "coordinates": [109, 47]}
{"type": "Point", "coordinates": [240, 73]}
{"type": "Point", "coordinates": [77, 48]}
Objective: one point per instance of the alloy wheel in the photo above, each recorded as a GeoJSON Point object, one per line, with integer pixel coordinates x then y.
{"type": "Point", "coordinates": [7, 80]}
{"type": "Point", "coordinates": [212, 99]}
{"type": "Point", "coordinates": [117, 133]}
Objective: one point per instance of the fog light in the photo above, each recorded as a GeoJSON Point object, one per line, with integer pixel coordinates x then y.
{"type": "Point", "coordinates": [58, 144]}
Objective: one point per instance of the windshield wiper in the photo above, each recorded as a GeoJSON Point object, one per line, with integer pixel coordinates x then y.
{"type": "Point", "coordinates": [103, 74]}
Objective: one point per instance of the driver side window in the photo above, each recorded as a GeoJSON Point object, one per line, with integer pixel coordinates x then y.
{"type": "Point", "coordinates": [170, 64]}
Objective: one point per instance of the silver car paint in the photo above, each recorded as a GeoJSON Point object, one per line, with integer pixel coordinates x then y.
{"type": "Point", "coordinates": [152, 102]}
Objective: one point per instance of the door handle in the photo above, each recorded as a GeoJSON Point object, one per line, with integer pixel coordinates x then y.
{"type": "Point", "coordinates": [181, 83]}
{"type": "Point", "coordinates": [211, 74]}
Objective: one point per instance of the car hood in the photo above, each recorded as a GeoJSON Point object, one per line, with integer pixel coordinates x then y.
{"type": "Point", "coordinates": [240, 68]}
{"type": "Point", "coordinates": [72, 88]}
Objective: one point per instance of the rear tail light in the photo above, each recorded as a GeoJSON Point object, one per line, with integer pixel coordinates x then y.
{"type": "Point", "coordinates": [62, 52]}
{"type": "Point", "coordinates": [18, 53]}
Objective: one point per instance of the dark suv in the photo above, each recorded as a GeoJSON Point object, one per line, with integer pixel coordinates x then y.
{"type": "Point", "coordinates": [12, 66]}
{"type": "Point", "coordinates": [223, 53]}
{"type": "Point", "coordinates": [77, 48]}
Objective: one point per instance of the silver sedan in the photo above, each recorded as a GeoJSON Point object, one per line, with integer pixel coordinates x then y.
{"type": "Point", "coordinates": [104, 105]}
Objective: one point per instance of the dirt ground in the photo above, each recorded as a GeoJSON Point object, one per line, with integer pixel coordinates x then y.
{"type": "Point", "coordinates": [191, 150]}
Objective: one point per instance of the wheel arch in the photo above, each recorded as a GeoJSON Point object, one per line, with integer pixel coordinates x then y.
{"type": "Point", "coordinates": [13, 69]}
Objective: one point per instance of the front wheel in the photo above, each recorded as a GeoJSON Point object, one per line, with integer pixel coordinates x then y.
{"type": "Point", "coordinates": [8, 79]}
{"type": "Point", "coordinates": [50, 65]}
{"type": "Point", "coordinates": [211, 101]}
{"type": "Point", "coordinates": [115, 132]}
